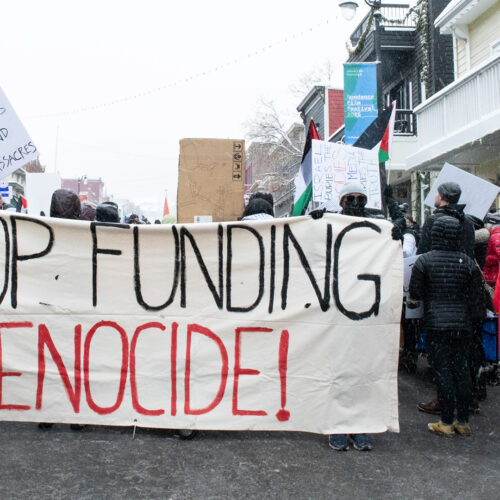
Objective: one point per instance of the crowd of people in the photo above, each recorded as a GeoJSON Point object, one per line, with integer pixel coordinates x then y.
{"type": "Point", "coordinates": [454, 277]}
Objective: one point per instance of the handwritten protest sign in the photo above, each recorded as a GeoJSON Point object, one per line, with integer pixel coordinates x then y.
{"type": "Point", "coordinates": [16, 147]}
{"type": "Point", "coordinates": [335, 164]}
{"type": "Point", "coordinates": [477, 194]}
{"type": "Point", "coordinates": [287, 324]}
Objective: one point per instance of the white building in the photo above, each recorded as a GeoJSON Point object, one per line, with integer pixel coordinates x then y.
{"type": "Point", "coordinates": [461, 123]}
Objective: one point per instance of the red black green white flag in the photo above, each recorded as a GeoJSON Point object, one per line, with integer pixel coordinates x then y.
{"type": "Point", "coordinates": [303, 180]}
{"type": "Point", "coordinates": [379, 134]}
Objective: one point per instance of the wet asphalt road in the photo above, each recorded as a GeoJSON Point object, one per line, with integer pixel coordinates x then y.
{"type": "Point", "coordinates": [105, 463]}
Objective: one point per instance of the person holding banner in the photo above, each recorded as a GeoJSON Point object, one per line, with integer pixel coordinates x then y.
{"type": "Point", "coordinates": [449, 284]}
{"type": "Point", "coordinates": [64, 204]}
{"type": "Point", "coordinates": [353, 200]}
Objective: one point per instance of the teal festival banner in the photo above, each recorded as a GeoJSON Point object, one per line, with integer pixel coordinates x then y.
{"type": "Point", "coordinates": [360, 98]}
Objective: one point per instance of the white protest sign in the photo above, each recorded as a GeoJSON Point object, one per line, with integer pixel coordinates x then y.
{"type": "Point", "coordinates": [335, 164]}
{"type": "Point", "coordinates": [39, 189]}
{"type": "Point", "coordinates": [417, 312]}
{"type": "Point", "coordinates": [284, 324]}
{"type": "Point", "coordinates": [477, 194]}
{"type": "Point", "coordinates": [16, 147]}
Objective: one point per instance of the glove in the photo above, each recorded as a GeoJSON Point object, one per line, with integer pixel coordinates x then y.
{"type": "Point", "coordinates": [317, 214]}
{"type": "Point", "coordinates": [396, 233]}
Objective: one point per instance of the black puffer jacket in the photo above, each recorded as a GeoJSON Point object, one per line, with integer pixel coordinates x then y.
{"type": "Point", "coordinates": [467, 234]}
{"type": "Point", "coordinates": [448, 281]}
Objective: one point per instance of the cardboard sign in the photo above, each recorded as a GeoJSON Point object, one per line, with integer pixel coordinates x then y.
{"type": "Point", "coordinates": [211, 179]}
{"type": "Point", "coordinates": [16, 147]}
{"type": "Point", "coordinates": [477, 194]}
{"type": "Point", "coordinates": [335, 164]}
{"type": "Point", "coordinates": [39, 189]}
{"type": "Point", "coordinates": [284, 324]}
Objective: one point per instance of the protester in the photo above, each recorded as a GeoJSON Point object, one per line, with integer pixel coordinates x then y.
{"type": "Point", "coordinates": [88, 212]}
{"type": "Point", "coordinates": [133, 219]}
{"type": "Point", "coordinates": [353, 200]}
{"type": "Point", "coordinates": [65, 205]}
{"type": "Point", "coordinates": [492, 259]}
{"type": "Point", "coordinates": [408, 356]}
{"type": "Point", "coordinates": [107, 211]}
{"type": "Point", "coordinates": [446, 203]}
{"type": "Point", "coordinates": [449, 283]}
{"type": "Point", "coordinates": [259, 207]}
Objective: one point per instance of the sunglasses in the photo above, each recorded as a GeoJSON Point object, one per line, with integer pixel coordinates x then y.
{"type": "Point", "coordinates": [352, 197]}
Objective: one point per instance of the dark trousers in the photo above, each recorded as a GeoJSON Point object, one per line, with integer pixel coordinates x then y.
{"type": "Point", "coordinates": [449, 354]}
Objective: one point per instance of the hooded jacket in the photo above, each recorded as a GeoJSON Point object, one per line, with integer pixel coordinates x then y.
{"type": "Point", "coordinates": [467, 233]}
{"type": "Point", "coordinates": [448, 281]}
{"type": "Point", "coordinates": [65, 204]}
{"type": "Point", "coordinates": [492, 261]}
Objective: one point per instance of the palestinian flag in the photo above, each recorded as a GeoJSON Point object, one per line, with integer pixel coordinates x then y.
{"type": "Point", "coordinates": [303, 181]}
{"type": "Point", "coordinates": [379, 134]}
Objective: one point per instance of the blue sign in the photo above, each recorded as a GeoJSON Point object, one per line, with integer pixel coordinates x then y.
{"type": "Point", "coordinates": [360, 98]}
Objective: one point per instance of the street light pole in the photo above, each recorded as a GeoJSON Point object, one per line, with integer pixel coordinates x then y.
{"type": "Point", "coordinates": [348, 8]}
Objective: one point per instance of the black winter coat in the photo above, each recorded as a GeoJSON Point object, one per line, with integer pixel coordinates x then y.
{"type": "Point", "coordinates": [448, 281]}
{"type": "Point", "coordinates": [467, 233]}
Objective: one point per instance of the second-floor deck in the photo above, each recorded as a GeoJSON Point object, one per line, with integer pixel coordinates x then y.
{"type": "Point", "coordinates": [461, 118]}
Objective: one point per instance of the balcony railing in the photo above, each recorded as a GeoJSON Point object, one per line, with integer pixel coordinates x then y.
{"type": "Point", "coordinates": [457, 112]}
{"type": "Point", "coordinates": [394, 11]}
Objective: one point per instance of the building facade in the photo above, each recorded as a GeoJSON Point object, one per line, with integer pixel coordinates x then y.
{"type": "Point", "coordinates": [90, 190]}
{"type": "Point", "coordinates": [416, 61]}
{"type": "Point", "coordinates": [460, 124]}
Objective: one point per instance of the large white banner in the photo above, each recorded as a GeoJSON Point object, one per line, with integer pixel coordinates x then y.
{"type": "Point", "coordinates": [16, 146]}
{"type": "Point", "coordinates": [287, 324]}
{"type": "Point", "coordinates": [333, 165]}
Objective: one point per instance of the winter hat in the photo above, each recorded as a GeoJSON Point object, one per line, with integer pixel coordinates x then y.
{"type": "Point", "coordinates": [107, 212]}
{"type": "Point", "coordinates": [350, 188]}
{"type": "Point", "coordinates": [258, 206]}
{"type": "Point", "coordinates": [450, 192]}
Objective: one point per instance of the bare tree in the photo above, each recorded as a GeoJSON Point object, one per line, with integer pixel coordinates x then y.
{"type": "Point", "coordinates": [267, 126]}
{"type": "Point", "coordinates": [303, 85]}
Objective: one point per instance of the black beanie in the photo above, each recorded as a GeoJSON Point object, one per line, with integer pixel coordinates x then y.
{"type": "Point", "coordinates": [107, 212]}
{"type": "Point", "coordinates": [450, 192]}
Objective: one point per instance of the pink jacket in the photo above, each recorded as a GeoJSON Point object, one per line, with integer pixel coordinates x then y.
{"type": "Point", "coordinates": [491, 265]}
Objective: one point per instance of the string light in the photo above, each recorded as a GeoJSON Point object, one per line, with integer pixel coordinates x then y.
{"type": "Point", "coordinates": [179, 81]}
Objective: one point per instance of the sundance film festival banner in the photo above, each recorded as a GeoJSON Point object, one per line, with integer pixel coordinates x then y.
{"type": "Point", "coordinates": [288, 324]}
{"type": "Point", "coordinates": [360, 98]}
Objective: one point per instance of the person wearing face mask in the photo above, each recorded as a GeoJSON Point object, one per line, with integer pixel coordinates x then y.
{"type": "Point", "coordinates": [353, 201]}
